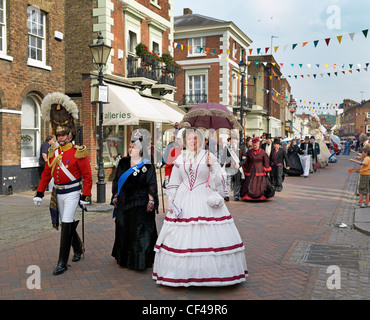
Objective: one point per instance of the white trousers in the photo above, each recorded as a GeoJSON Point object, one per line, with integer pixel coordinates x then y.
{"type": "Point", "coordinates": [67, 205]}
{"type": "Point", "coordinates": [306, 162]}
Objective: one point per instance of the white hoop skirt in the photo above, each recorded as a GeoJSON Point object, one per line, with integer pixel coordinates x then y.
{"type": "Point", "coordinates": [203, 246]}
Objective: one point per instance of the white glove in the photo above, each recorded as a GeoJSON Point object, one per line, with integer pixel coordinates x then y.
{"type": "Point", "coordinates": [83, 204]}
{"type": "Point", "coordinates": [37, 201]}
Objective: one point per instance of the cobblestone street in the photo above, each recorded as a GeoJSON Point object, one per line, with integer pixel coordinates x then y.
{"type": "Point", "coordinates": [290, 242]}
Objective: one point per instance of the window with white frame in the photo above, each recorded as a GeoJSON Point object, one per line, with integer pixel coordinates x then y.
{"type": "Point", "coordinates": [234, 50]}
{"type": "Point", "coordinates": [196, 89]}
{"type": "Point", "coordinates": [155, 47]}
{"type": "Point", "coordinates": [368, 115]}
{"type": "Point", "coordinates": [36, 24]}
{"type": "Point", "coordinates": [154, 2]}
{"type": "Point", "coordinates": [234, 89]}
{"type": "Point", "coordinates": [2, 27]}
{"type": "Point", "coordinates": [197, 46]}
{"type": "Point", "coordinates": [132, 38]}
{"type": "Point", "coordinates": [30, 132]}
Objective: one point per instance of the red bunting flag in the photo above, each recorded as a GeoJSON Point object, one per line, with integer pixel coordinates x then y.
{"type": "Point", "coordinates": [327, 40]}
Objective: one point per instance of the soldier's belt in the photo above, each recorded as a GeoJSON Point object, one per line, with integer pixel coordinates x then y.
{"type": "Point", "coordinates": [68, 187]}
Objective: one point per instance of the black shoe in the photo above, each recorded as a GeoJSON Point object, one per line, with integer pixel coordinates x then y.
{"type": "Point", "coordinates": [76, 257]}
{"type": "Point", "coordinates": [305, 176]}
{"type": "Point", "coordinates": [65, 247]}
{"type": "Point", "coordinates": [236, 199]}
{"type": "Point", "coordinates": [227, 199]}
{"type": "Point", "coordinates": [61, 268]}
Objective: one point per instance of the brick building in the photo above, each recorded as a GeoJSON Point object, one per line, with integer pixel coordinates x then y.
{"type": "Point", "coordinates": [139, 90]}
{"type": "Point", "coordinates": [264, 73]}
{"type": "Point", "coordinates": [209, 50]}
{"type": "Point", "coordinates": [355, 118]}
{"type": "Point", "coordinates": [47, 50]}
{"type": "Point", "coordinates": [32, 64]}
{"type": "Point", "coordinates": [287, 110]}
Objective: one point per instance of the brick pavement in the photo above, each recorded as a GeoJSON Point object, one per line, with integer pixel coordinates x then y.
{"type": "Point", "coordinates": [276, 234]}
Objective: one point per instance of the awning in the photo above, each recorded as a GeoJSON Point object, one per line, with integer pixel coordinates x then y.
{"type": "Point", "coordinates": [171, 113]}
{"type": "Point", "coordinates": [128, 107]}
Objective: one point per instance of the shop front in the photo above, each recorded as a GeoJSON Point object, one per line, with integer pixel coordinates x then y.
{"type": "Point", "coordinates": [128, 111]}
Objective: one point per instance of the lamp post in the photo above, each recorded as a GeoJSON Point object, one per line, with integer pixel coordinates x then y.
{"type": "Point", "coordinates": [242, 70]}
{"type": "Point", "coordinates": [100, 52]}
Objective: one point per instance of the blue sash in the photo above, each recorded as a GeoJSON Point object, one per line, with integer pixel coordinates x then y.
{"type": "Point", "coordinates": [122, 179]}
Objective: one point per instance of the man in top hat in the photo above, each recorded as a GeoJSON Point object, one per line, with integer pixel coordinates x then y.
{"type": "Point", "coordinates": [307, 151]}
{"type": "Point", "coordinates": [268, 145]}
{"type": "Point", "coordinates": [315, 154]}
{"type": "Point", "coordinates": [69, 165]}
{"type": "Point", "coordinates": [234, 158]}
{"type": "Point", "coordinates": [277, 159]}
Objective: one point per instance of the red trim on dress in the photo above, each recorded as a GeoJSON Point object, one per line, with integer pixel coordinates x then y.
{"type": "Point", "coordinates": [199, 219]}
{"type": "Point", "coordinates": [214, 279]}
{"type": "Point", "coordinates": [195, 250]}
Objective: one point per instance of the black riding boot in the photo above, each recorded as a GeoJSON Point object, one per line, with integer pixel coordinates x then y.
{"type": "Point", "coordinates": [76, 243]}
{"type": "Point", "coordinates": [65, 247]}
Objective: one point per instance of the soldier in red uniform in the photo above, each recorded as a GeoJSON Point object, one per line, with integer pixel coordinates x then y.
{"type": "Point", "coordinates": [70, 167]}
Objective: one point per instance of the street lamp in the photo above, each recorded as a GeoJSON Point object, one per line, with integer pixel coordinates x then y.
{"type": "Point", "coordinates": [100, 52]}
{"type": "Point", "coordinates": [242, 71]}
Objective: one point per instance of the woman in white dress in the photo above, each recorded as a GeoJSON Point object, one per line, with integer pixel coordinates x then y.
{"type": "Point", "coordinates": [199, 244]}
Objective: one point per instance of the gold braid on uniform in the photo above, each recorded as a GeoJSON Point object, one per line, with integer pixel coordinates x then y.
{"type": "Point", "coordinates": [59, 157]}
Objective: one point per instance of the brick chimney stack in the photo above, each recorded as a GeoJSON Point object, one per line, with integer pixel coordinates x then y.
{"type": "Point", "coordinates": [187, 11]}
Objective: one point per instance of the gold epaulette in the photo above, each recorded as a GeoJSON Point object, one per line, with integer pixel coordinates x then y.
{"type": "Point", "coordinates": [51, 152]}
{"type": "Point", "coordinates": [81, 152]}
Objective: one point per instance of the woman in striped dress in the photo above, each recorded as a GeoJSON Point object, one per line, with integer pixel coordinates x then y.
{"type": "Point", "coordinates": [199, 244]}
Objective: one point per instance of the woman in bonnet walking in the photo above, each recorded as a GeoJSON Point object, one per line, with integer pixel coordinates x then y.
{"type": "Point", "coordinates": [199, 244]}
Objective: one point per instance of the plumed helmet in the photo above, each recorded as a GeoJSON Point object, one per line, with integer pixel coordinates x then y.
{"type": "Point", "coordinates": [61, 111]}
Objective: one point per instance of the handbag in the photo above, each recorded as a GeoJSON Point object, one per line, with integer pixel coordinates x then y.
{"type": "Point", "coordinates": [215, 200]}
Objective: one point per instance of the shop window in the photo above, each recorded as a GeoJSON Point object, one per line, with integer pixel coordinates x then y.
{"type": "Point", "coordinates": [113, 145]}
{"type": "Point", "coordinates": [30, 132]}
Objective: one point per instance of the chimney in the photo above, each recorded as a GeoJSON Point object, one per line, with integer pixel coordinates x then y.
{"type": "Point", "coordinates": [187, 11]}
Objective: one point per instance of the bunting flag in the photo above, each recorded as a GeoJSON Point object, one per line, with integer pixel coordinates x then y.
{"type": "Point", "coordinates": [276, 48]}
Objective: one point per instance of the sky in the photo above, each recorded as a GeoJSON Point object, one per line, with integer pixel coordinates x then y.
{"type": "Point", "coordinates": [296, 22]}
